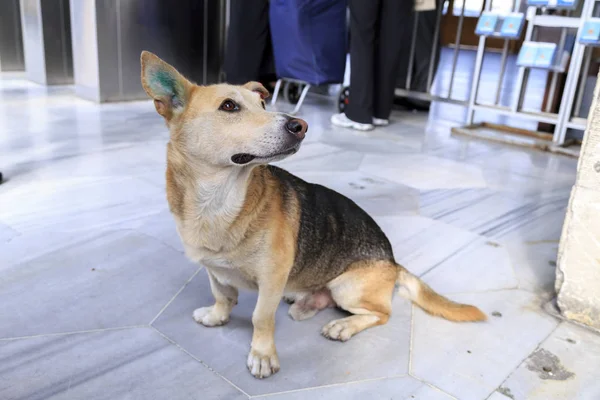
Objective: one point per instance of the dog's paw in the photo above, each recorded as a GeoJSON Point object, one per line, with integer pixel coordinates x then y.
{"type": "Point", "coordinates": [339, 329]}
{"type": "Point", "coordinates": [262, 365]}
{"type": "Point", "coordinates": [300, 312]}
{"type": "Point", "coordinates": [208, 316]}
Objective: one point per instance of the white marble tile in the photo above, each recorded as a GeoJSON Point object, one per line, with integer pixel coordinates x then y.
{"type": "Point", "coordinates": [535, 265]}
{"type": "Point", "coordinates": [71, 204]}
{"type": "Point", "coordinates": [514, 184]}
{"type": "Point", "coordinates": [375, 195]}
{"type": "Point", "coordinates": [421, 243]}
{"type": "Point", "coordinates": [498, 396]}
{"type": "Point", "coordinates": [470, 360]}
{"type": "Point", "coordinates": [320, 157]}
{"type": "Point", "coordinates": [479, 266]}
{"type": "Point", "coordinates": [54, 283]}
{"type": "Point", "coordinates": [497, 215]}
{"type": "Point", "coordinates": [136, 364]}
{"type": "Point", "coordinates": [529, 162]}
{"type": "Point", "coordinates": [307, 359]}
{"type": "Point", "coordinates": [403, 388]}
{"type": "Point", "coordinates": [86, 189]}
{"type": "Point", "coordinates": [424, 172]}
{"type": "Point", "coordinates": [6, 233]}
{"type": "Point", "coordinates": [160, 226]}
{"type": "Point", "coordinates": [122, 161]}
{"type": "Point", "coordinates": [564, 367]}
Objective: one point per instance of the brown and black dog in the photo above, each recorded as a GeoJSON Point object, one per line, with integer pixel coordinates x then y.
{"type": "Point", "coordinates": [255, 226]}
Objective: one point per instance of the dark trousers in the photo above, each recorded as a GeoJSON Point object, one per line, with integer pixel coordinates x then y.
{"type": "Point", "coordinates": [249, 52]}
{"type": "Point", "coordinates": [378, 31]}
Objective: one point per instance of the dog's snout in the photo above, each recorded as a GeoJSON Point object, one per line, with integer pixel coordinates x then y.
{"type": "Point", "coordinates": [297, 127]}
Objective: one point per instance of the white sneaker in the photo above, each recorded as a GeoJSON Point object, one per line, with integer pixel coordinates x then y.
{"type": "Point", "coordinates": [345, 122]}
{"type": "Point", "coordinates": [381, 122]}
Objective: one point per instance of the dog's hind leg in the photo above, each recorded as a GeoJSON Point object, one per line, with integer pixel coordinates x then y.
{"type": "Point", "coordinates": [307, 305]}
{"type": "Point", "coordinates": [225, 298]}
{"type": "Point", "coordinates": [364, 290]}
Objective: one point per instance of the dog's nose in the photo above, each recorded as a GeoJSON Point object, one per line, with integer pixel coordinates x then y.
{"type": "Point", "coordinates": [297, 127]}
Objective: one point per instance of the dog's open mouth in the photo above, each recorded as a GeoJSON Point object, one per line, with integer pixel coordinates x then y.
{"type": "Point", "coordinates": [245, 158]}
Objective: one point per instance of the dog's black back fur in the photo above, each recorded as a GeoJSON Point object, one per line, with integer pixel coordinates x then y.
{"type": "Point", "coordinates": [334, 231]}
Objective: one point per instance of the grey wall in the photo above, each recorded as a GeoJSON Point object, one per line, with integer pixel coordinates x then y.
{"type": "Point", "coordinates": [109, 35]}
{"type": "Point", "coordinates": [47, 41]}
{"type": "Point", "coordinates": [11, 39]}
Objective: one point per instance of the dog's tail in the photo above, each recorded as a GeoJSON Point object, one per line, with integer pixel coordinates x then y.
{"type": "Point", "coordinates": [422, 295]}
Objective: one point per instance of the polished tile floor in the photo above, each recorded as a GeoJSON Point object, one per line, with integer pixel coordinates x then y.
{"type": "Point", "coordinates": [96, 297]}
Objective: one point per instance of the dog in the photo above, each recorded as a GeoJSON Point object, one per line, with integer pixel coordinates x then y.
{"type": "Point", "coordinates": [255, 226]}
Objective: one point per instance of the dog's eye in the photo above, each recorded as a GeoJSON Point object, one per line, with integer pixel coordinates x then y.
{"type": "Point", "coordinates": [229, 106]}
{"type": "Point", "coordinates": [263, 105]}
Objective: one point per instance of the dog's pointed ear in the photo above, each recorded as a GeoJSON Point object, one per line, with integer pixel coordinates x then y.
{"type": "Point", "coordinates": [258, 88]}
{"type": "Point", "coordinates": [167, 87]}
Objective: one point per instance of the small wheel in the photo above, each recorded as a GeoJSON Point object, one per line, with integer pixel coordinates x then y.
{"type": "Point", "coordinates": [344, 98]}
{"type": "Point", "coordinates": [292, 91]}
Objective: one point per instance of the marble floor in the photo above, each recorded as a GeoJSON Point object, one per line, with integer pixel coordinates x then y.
{"type": "Point", "coordinates": [97, 298]}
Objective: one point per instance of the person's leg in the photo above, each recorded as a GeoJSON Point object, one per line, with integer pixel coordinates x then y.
{"type": "Point", "coordinates": [363, 27]}
{"type": "Point", "coordinates": [394, 30]}
{"type": "Point", "coordinates": [247, 40]}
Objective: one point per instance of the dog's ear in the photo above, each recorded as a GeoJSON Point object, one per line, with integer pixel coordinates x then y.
{"type": "Point", "coordinates": [167, 87]}
{"type": "Point", "coordinates": [258, 88]}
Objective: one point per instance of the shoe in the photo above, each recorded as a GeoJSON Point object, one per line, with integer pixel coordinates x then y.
{"type": "Point", "coordinates": [345, 122]}
{"type": "Point", "coordinates": [380, 122]}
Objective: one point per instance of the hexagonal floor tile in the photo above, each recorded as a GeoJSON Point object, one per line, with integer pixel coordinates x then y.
{"type": "Point", "coordinates": [6, 233]}
{"type": "Point", "coordinates": [160, 226]}
{"type": "Point", "coordinates": [375, 195]}
{"type": "Point", "coordinates": [496, 214]}
{"type": "Point", "coordinates": [421, 243]}
{"type": "Point", "coordinates": [535, 265]}
{"type": "Point", "coordinates": [479, 266]}
{"type": "Point", "coordinates": [318, 157]}
{"type": "Point", "coordinates": [75, 204]}
{"type": "Point", "coordinates": [120, 364]}
{"type": "Point", "coordinates": [402, 388]}
{"type": "Point", "coordinates": [424, 172]}
{"type": "Point", "coordinates": [470, 360]}
{"type": "Point", "coordinates": [51, 283]}
{"type": "Point", "coordinates": [564, 367]}
{"type": "Point", "coordinates": [307, 359]}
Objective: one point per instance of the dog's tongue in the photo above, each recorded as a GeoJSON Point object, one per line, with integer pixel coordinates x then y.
{"type": "Point", "coordinates": [242, 158]}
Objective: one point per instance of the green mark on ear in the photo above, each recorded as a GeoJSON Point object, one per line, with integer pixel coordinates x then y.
{"type": "Point", "coordinates": [165, 84]}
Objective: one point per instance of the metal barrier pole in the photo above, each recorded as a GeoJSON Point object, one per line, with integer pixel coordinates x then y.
{"type": "Point", "coordinates": [502, 71]}
{"type": "Point", "coordinates": [560, 48]}
{"type": "Point", "coordinates": [205, 45]}
{"type": "Point", "coordinates": [586, 69]}
{"type": "Point", "coordinates": [276, 91]}
{"type": "Point", "coordinates": [517, 100]}
{"type": "Point", "coordinates": [411, 59]}
{"type": "Point", "coordinates": [477, 71]}
{"type": "Point", "coordinates": [456, 47]}
{"type": "Point", "coordinates": [566, 105]}
{"type": "Point", "coordinates": [436, 34]}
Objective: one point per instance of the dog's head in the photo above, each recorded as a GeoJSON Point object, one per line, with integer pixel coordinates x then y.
{"type": "Point", "coordinates": [222, 125]}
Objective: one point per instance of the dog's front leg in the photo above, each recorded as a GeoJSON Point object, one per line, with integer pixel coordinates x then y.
{"type": "Point", "coordinates": [263, 360]}
{"type": "Point", "coordinates": [225, 298]}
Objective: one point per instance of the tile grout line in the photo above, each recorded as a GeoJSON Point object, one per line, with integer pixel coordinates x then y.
{"type": "Point", "coordinates": [449, 257]}
{"type": "Point", "coordinates": [412, 335]}
{"type": "Point", "coordinates": [431, 385]}
{"type": "Point", "coordinates": [73, 332]}
{"type": "Point", "coordinates": [175, 296]}
{"type": "Point", "coordinates": [260, 396]}
{"type": "Point", "coordinates": [200, 361]}
{"type": "Point", "coordinates": [537, 346]}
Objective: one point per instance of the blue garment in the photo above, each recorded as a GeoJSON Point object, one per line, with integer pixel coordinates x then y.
{"type": "Point", "coordinates": [309, 39]}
